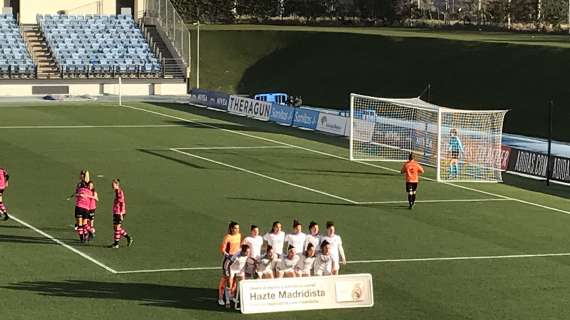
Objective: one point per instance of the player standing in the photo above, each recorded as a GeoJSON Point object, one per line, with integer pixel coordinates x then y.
{"type": "Point", "coordinates": [297, 238]}
{"type": "Point", "coordinates": [83, 179]}
{"type": "Point", "coordinates": [313, 238]}
{"type": "Point", "coordinates": [82, 205]}
{"type": "Point", "coordinates": [88, 222]}
{"type": "Point", "coordinates": [229, 247]}
{"type": "Point", "coordinates": [336, 249]}
{"type": "Point", "coordinates": [412, 170]}
{"type": "Point", "coordinates": [4, 177]}
{"type": "Point", "coordinates": [119, 212]}
{"type": "Point", "coordinates": [455, 150]}
{"type": "Point", "coordinates": [275, 238]}
{"type": "Point", "coordinates": [254, 241]}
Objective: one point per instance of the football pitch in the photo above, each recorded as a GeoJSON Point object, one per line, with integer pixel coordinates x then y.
{"type": "Point", "coordinates": [466, 251]}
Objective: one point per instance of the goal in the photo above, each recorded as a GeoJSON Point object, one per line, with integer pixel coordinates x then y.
{"type": "Point", "coordinates": [463, 145]}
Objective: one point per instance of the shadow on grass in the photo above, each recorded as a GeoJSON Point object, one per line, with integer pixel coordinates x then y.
{"type": "Point", "coordinates": [537, 186]}
{"type": "Point", "coordinates": [163, 154]}
{"type": "Point", "coordinates": [146, 294]}
{"type": "Point", "coordinates": [29, 240]}
{"type": "Point", "coordinates": [291, 201]}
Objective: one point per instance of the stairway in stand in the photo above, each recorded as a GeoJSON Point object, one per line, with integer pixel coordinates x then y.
{"type": "Point", "coordinates": [47, 66]}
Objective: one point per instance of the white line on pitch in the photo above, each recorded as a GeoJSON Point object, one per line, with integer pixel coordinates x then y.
{"type": "Point", "coordinates": [169, 270]}
{"type": "Point", "coordinates": [339, 157]}
{"type": "Point", "coordinates": [235, 148]}
{"type": "Point", "coordinates": [436, 201]}
{"type": "Point", "coordinates": [511, 256]}
{"type": "Point", "coordinates": [61, 243]}
{"type": "Point", "coordinates": [264, 176]}
{"type": "Point", "coordinates": [461, 258]}
{"type": "Point", "coordinates": [95, 126]}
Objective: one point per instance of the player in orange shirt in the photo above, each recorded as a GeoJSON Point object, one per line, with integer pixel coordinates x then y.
{"type": "Point", "coordinates": [229, 247]}
{"type": "Point", "coordinates": [412, 170]}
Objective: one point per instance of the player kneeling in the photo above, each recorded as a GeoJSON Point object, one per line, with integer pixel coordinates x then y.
{"type": "Point", "coordinates": [119, 212]}
{"type": "Point", "coordinates": [323, 264]}
{"type": "Point", "coordinates": [287, 265]}
{"type": "Point", "coordinates": [305, 264]}
{"type": "Point", "coordinates": [237, 272]}
{"type": "Point", "coordinates": [267, 264]}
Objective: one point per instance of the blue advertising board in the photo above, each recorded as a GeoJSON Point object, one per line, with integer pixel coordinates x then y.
{"type": "Point", "coordinates": [282, 114]}
{"type": "Point", "coordinates": [306, 118]}
{"type": "Point", "coordinates": [209, 98]}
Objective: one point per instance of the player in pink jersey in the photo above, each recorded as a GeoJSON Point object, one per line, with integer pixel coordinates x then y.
{"type": "Point", "coordinates": [83, 179]}
{"type": "Point", "coordinates": [3, 185]}
{"type": "Point", "coordinates": [119, 212]}
{"type": "Point", "coordinates": [88, 223]}
{"type": "Point", "coordinates": [82, 205]}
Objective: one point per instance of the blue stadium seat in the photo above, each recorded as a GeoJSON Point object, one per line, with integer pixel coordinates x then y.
{"type": "Point", "coordinates": [15, 60]}
{"type": "Point", "coordinates": [98, 44]}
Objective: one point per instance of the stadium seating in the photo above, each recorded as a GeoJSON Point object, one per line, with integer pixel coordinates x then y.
{"type": "Point", "coordinates": [15, 60]}
{"type": "Point", "coordinates": [98, 46]}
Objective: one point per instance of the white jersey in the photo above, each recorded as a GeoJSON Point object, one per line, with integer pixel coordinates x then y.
{"type": "Point", "coordinates": [267, 263]}
{"type": "Point", "coordinates": [322, 265]}
{"type": "Point", "coordinates": [287, 264]}
{"type": "Point", "coordinates": [335, 245]}
{"type": "Point", "coordinates": [315, 240]}
{"type": "Point", "coordinates": [305, 264]}
{"type": "Point", "coordinates": [254, 244]}
{"type": "Point", "coordinates": [297, 240]}
{"type": "Point", "coordinates": [238, 265]}
{"type": "Point", "coordinates": [276, 241]}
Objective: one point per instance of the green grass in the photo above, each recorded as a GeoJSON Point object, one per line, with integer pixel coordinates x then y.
{"type": "Point", "coordinates": [179, 207]}
{"type": "Point", "coordinates": [521, 72]}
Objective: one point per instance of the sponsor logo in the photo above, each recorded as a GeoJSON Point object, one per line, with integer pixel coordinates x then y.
{"type": "Point", "coordinates": [249, 107]}
{"type": "Point", "coordinates": [561, 169]}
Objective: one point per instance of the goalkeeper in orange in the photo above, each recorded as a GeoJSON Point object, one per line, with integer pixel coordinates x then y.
{"type": "Point", "coordinates": [412, 171]}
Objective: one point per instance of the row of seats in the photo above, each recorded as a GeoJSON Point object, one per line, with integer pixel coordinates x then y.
{"type": "Point", "coordinates": [15, 60]}
{"type": "Point", "coordinates": [98, 44]}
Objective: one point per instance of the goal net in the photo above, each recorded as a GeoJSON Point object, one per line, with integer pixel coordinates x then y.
{"type": "Point", "coordinates": [463, 145]}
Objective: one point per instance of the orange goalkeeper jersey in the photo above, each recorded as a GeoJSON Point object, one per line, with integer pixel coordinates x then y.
{"type": "Point", "coordinates": [231, 244]}
{"type": "Point", "coordinates": [412, 170]}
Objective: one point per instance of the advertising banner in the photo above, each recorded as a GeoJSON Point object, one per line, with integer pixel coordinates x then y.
{"type": "Point", "coordinates": [257, 109]}
{"type": "Point", "coordinates": [211, 99]}
{"type": "Point", "coordinates": [282, 114]}
{"type": "Point", "coordinates": [306, 293]}
{"type": "Point", "coordinates": [331, 123]}
{"type": "Point", "coordinates": [505, 155]}
{"type": "Point", "coordinates": [306, 118]}
{"type": "Point", "coordinates": [535, 164]}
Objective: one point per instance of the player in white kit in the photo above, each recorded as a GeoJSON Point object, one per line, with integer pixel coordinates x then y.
{"type": "Point", "coordinates": [297, 238]}
{"type": "Point", "coordinates": [275, 238]}
{"type": "Point", "coordinates": [337, 251]}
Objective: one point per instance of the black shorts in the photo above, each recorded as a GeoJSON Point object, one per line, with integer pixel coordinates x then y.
{"type": "Point", "coordinates": [81, 213]}
{"type": "Point", "coordinates": [117, 218]}
{"type": "Point", "coordinates": [411, 186]}
{"type": "Point", "coordinates": [1, 192]}
{"type": "Point", "coordinates": [91, 214]}
{"type": "Point", "coordinates": [455, 154]}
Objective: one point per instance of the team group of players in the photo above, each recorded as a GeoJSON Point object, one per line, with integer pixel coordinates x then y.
{"type": "Point", "coordinates": [86, 199]}
{"type": "Point", "coordinates": [295, 254]}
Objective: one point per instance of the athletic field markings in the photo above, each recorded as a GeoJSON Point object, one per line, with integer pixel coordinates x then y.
{"type": "Point", "coordinates": [340, 157]}
{"type": "Point", "coordinates": [95, 126]}
{"type": "Point", "coordinates": [404, 260]}
{"type": "Point", "coordinates": [235, 148]}
{"type": "Point", "coordinates": [61, 243]}
{"type": "Point", "coordinates": [264, 176]}
{"type": "Point", "coordinates": [435, 201]}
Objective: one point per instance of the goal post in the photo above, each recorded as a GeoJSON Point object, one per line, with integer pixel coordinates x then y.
{"type": "Point", "coordinates": [463, 145]}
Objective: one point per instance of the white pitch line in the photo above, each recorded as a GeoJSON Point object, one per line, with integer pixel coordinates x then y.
{"type": "Point", "coordinates": [339, 157]}
{"type": "Point", "coordinates": [93, 127]}
{"type": "Point", "coordinates": [168, 270]}
{"type": "Point", "coordinates": [511, 256]}
{"type": "Point", "coordinates": [436, 201]}
{"type": "Point", "coordinates": [264, 176]}
{"type": "Point", "coordinates": [61, 243]}
{"type": "Point", "coordinates": [234, 148]}
{"type": "Point", "coordinates": [460, 258]}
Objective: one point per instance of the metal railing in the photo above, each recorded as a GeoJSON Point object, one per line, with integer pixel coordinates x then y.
{"type": "Point", "coordinates": [164, 14]}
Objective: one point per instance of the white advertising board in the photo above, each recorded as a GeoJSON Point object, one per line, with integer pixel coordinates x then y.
{"type": "Point", "coordinates": [260, 110]}
{"type": "Point", "coordinates": [306, 293]}
{"type": "Point", "coordinates": [331, 123]}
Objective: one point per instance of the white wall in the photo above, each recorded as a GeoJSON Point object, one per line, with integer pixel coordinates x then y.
{"type": "Point", "coordinates": [30, 8]}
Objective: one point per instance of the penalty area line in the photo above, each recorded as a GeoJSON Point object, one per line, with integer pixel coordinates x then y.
{"type": "Point", "coordinates": [234, 148]}
{"type": "Point", "coordinates": [96, 126]}
{"type": "Point", "coordinates": [436, 201]}
{"type": "Point", "coordinates": [433, 259]}
{"type": "Point", "coordinates": [264, 176]}
{"type": "Point", "coordinates": [244, 134]}
{"type": "Point", "coordinates": [63, 244]}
